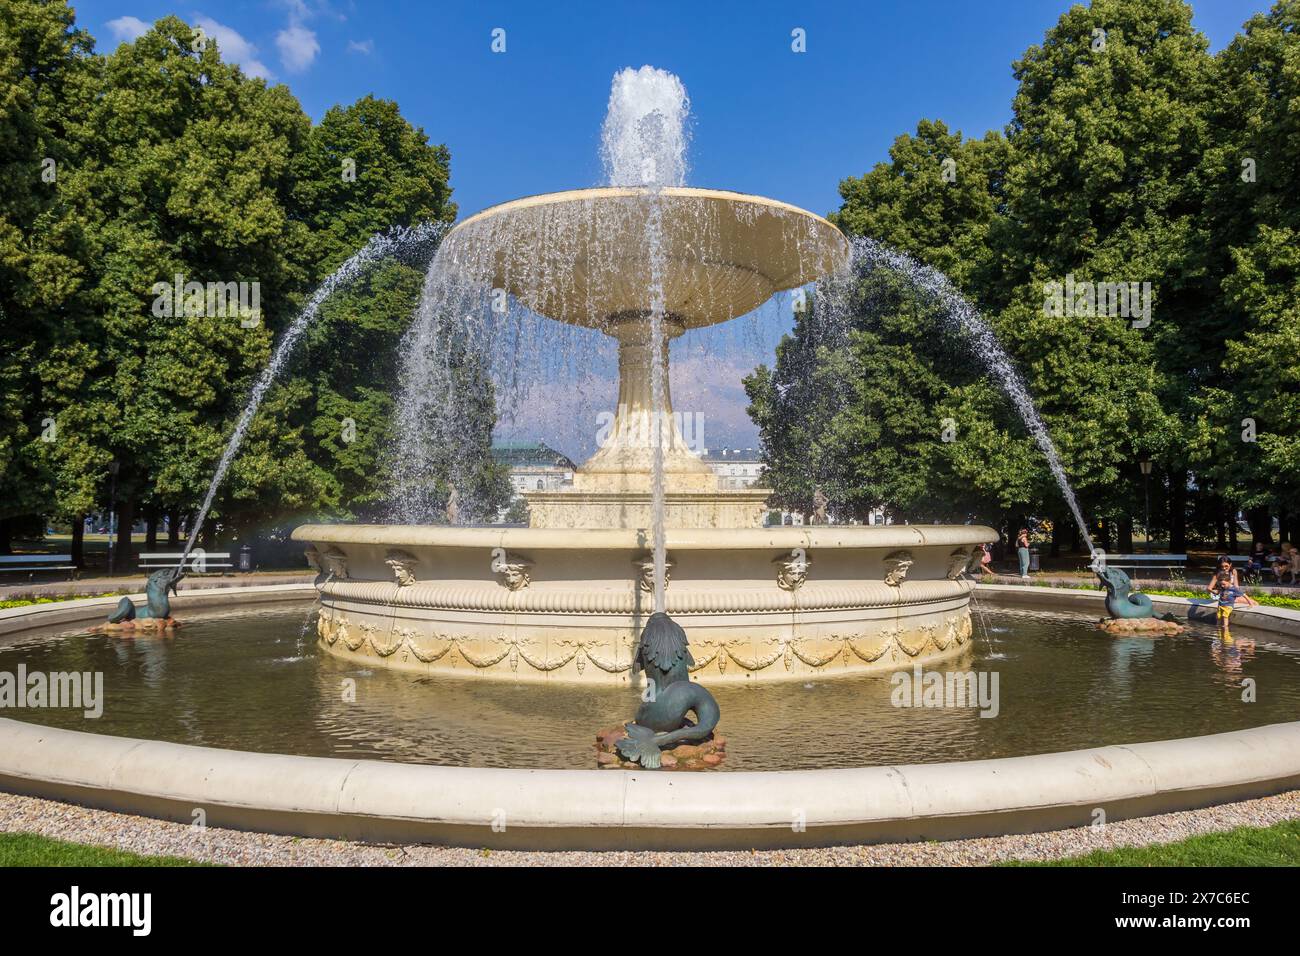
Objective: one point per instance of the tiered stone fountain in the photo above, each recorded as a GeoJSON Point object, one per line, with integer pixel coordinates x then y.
{"type": "Point", "coordinates": [566, 598]}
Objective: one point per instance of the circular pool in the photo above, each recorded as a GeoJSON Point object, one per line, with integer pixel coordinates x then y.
{"type": "Point", "coordinates": [1048, 681]}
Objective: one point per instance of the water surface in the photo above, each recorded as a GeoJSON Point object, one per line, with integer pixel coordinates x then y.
{"type": "Point", "coordinates": [255, 680]}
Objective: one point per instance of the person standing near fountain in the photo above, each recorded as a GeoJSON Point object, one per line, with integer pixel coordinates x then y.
{"type": "Point", "coordinates": [1022, 552]}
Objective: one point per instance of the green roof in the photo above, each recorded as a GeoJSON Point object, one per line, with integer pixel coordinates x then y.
{"type": "Point", "coordinates": [535, 453]}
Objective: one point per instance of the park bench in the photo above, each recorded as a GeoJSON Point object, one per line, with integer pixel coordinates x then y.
{"type": "Point", "coordinates": [1247, 577]}
{"type": "Point", "coordinates": [31, 563]}
{"type": "Point", "coordinates": [199, 561]}
{"type": "Point", "coordinates": [1140, 562]}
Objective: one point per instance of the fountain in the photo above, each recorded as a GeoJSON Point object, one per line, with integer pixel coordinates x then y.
{"type": "Point", "coordinates": [643, 530]}
{"type": "Point", "coordinates": [645, 525]}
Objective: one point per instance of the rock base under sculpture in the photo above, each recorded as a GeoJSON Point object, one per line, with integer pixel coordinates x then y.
{"type": "Point", "coordinates": [707, 755]}
{"type": "Point", "coordinates": [1140, 627]}
{"type": "Point", "coordinates": [141, 625]}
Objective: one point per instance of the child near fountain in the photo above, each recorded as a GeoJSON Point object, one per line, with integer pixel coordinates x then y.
{"type": "Point", "coordinates": [1226, 588]}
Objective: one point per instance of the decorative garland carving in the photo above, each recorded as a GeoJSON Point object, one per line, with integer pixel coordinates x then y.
{"type": "Point", "coordinates": [608, 666]}
{"type": "Point", "coordinates": [332, 628]}
{"type": "Point", "coordinates": [429, 658]}
{"type": "Point", "coordinates": [388, 650]}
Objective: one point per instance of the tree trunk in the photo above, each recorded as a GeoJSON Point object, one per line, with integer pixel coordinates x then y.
{"type": "Point", "coordinates": [1220, 525]}
{"type": "Point", "coordinates": [1058, 535]}
{"type": "Point", "coordinates": [151, 528]}
{"type": "Point", "coordinates": [1126, 534]}
{"type": "Point", "coordinates": [174, 528]}
{"type": "Point", "coordinates": [6, 545]}
{"type": "Point", "coordinates": [1233, 544]}
{"type": "Point", "coordinates": [122, 550]}
{"type": "Point", "coordinates": [79, 540]}
{"type": "Point", "coordinates": [1178, 511]}
{"type": "Point", "coordinates": [1284, 529]}
{"type": "Point", "coordinates": [1260, 520]}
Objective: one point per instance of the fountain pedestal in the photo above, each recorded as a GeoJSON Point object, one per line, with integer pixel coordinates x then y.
{"type": "Point", "coordinates": [612, 489]}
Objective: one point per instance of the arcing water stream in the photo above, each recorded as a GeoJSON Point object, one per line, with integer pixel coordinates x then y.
{"type": "Point", "coordinates": [385, 244]}
{"type": "Point", "coordinates": [869, 254]}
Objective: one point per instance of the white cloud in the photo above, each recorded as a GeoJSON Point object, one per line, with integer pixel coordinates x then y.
{"type": "Point", "coordinates": [234, 48]}
{"type": "Point", "coordinates": [127, 29]}
{"type": "Point", "coordinates": [298, 47]}
{"type": "Point", "coordinates": [366, 47]}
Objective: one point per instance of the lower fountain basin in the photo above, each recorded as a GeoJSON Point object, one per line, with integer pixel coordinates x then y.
{"type": "Point", "coordinates": [553, 605]}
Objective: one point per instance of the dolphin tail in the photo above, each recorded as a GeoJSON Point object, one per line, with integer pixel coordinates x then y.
{"type": "Point", "coordinates": [125, 612]}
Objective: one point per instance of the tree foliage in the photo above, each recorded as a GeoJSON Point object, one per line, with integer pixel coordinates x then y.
{"type": "Point", "coordinates": [161, 164]}
{"type": "Point", "coordinates": [1123, 163]}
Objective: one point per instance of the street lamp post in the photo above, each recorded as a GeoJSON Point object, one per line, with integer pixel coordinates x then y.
{"type": "Point", "coordinates": [1145, 465]}
{"type": "Point", "coordinates": [112, 512]}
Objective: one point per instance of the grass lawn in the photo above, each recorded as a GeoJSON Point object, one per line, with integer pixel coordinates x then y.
{"type": "Point", "coordinates": [28, 849]}
{"type": "Point", "coordinates": [1278, 845]}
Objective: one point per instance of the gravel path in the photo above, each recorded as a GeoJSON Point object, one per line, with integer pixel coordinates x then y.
{"type": "Point", "coordinates": [144, 835]}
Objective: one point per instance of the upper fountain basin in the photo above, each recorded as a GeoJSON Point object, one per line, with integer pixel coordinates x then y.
{"type": "Point", "coordinates": [583, 255]}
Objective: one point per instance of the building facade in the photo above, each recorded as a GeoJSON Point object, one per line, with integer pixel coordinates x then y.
{"type": "Point", "coordinates": [534, 466]}
{"type": "Point", "coordinates": [735, 467]}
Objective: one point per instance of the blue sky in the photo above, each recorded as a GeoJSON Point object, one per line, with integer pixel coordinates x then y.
{"type": "Point", "coordinates": [766, 120]}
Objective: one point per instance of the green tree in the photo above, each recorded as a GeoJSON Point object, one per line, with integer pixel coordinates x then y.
{"type": "Point", "coordinates": [1246, 435]}
{"type": "Point", "coordinates": [184, 169]}
{"type": "Point", "coordinates": [41, 54]}
{"type": "Point", "coordinates": [364, 169]}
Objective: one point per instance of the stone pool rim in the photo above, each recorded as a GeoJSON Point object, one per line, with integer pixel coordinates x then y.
{"type": "Point", "coordinates": [376, 800]}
